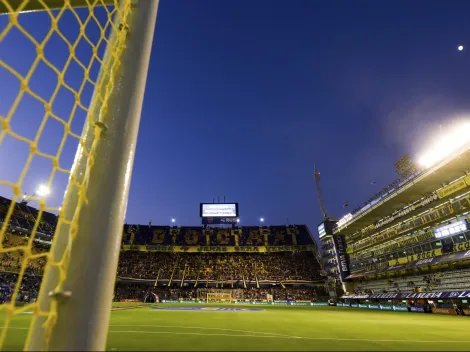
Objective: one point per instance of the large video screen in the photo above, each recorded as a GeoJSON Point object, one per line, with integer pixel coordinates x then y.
{"type": "Point", "coordinates": [212, 210]}
{"type": "Point", "coordinates": [321, 230]}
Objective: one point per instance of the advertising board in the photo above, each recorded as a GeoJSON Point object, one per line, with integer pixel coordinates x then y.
{"type": "Point", "coordinates": [417, 309]}
{"type": "Point", "coordinates": [448, 311]}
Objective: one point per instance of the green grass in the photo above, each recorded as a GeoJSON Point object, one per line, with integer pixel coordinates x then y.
{"type": "Point", "coordinates": [302, 329]}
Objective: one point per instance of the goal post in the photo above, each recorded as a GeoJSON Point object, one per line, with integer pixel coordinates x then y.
{"type": "Point", "coordinates": [74, 303]}
{"type": "Point", "coordinates": [219, 296]}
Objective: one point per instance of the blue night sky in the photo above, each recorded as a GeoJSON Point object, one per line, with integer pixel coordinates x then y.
{"type": "Point", "coordinates": [243, 97]}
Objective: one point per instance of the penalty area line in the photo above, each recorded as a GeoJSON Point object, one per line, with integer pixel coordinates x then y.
{"type": "Point", "coordinates": [281, 337]}
{"type": "Point", "coordinates": [202, 328]}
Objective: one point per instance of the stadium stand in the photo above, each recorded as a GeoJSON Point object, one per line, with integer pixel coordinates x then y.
{"type": "Point", "coordinates": [29, 287]}
{"type": "Point", "coordinates": [416, 239]}
{"type": "Point", "coordinates": [142, 292]}
{"type": "Point", "coordinates": [454, 280]}
{"type": "Point", "coordinates": [24, 217]}
{"type": "Point", "coordinates": [217, 267]}
{"type": "Point", "coordinates": [176, 263]}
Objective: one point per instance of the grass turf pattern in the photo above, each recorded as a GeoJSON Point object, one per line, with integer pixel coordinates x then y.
{"type": "Point", "coordinates": [276, 328]}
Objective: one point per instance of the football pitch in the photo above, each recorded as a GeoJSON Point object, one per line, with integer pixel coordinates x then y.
{"type": "Point", "coordinates": [201, 327]}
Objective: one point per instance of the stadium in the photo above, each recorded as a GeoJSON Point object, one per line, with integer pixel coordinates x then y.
{"type": "Point", "coordinates": [393, 274]}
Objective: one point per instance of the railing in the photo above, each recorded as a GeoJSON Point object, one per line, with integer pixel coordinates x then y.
{"type": "Point", "coordinates": [397, 186]}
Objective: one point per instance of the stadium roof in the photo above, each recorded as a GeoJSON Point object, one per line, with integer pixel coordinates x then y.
{"type": "Point", "coordinates": [425, 183]}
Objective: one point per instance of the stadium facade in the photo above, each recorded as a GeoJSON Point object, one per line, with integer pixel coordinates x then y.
{"type": "Point", "coordinates": [411, 240]}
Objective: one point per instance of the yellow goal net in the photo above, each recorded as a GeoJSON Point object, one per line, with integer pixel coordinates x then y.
{"type": "Point", "coordinates": [72, 77]}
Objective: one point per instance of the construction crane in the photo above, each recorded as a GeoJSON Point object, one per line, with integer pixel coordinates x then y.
{"type": "Point", "coordinates": [321, 200]}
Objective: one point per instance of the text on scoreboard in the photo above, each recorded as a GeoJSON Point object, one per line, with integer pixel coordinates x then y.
{"type": "Point", "coordinates": [214, 210]}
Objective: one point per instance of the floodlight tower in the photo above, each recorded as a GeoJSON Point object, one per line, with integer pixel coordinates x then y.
{"type": "Point", "coordinates": [330, 256]}
{"type": "Point", "coordinates": [321, 200]}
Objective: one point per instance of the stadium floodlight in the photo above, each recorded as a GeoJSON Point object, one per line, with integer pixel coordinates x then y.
{"type": "Point", "coordinates": [238, 220]}
{"type": "Point", "coordinates": [446, 145]}
{"type": "Point", "coordinates": [43, 191]}
{"type": "Point", "coordinates": [173, 220]}
{"type": "Point", "coordinates": [261, 219]}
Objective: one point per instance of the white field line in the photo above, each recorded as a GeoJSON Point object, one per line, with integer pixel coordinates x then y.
{"type": "Point", "coordinates": [266, 336]}
{"type": "Point", "coordinates": [202, 328]}
{"type": "Point", "coordinates": [282, 337]}
{"type": "Point", "coordinates": [204, 334]}
{"type": "Point", "coordinates": [254, 333]}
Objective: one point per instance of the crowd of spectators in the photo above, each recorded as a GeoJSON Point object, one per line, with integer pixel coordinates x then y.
{"type": "Point", "coordinates": [24, 217]}
{"type": "Point", "coordinates": [220, 267]}
{"type": "Point", "coordinates": [12, 261]}
{"type": "Point", "coordinates": [186, 270]}
{"type": "Point", "coordinates": [141, 291]}
{"type": "Point", "coordinates": [225, 269]}
{"type": "Point", "coordinates": [28, 291]}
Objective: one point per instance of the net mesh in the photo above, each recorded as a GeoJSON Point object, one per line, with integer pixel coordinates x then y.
{"type": "Point", "coordinates": [57, 70]}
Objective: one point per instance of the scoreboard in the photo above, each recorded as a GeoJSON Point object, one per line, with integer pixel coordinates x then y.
{"type": "Point", "coordinates": [219, 213]}
{"type": "Point", "coordinates": [325, 228]}
{"type": "Point", "coordinates": [214, 210]}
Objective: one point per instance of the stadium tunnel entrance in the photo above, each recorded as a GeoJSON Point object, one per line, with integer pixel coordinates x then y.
{"type": "Point", "coordinates": [151, 298]}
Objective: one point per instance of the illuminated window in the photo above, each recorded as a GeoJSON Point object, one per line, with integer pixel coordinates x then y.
{"type": "Point", "coordinates": [450, 229]}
